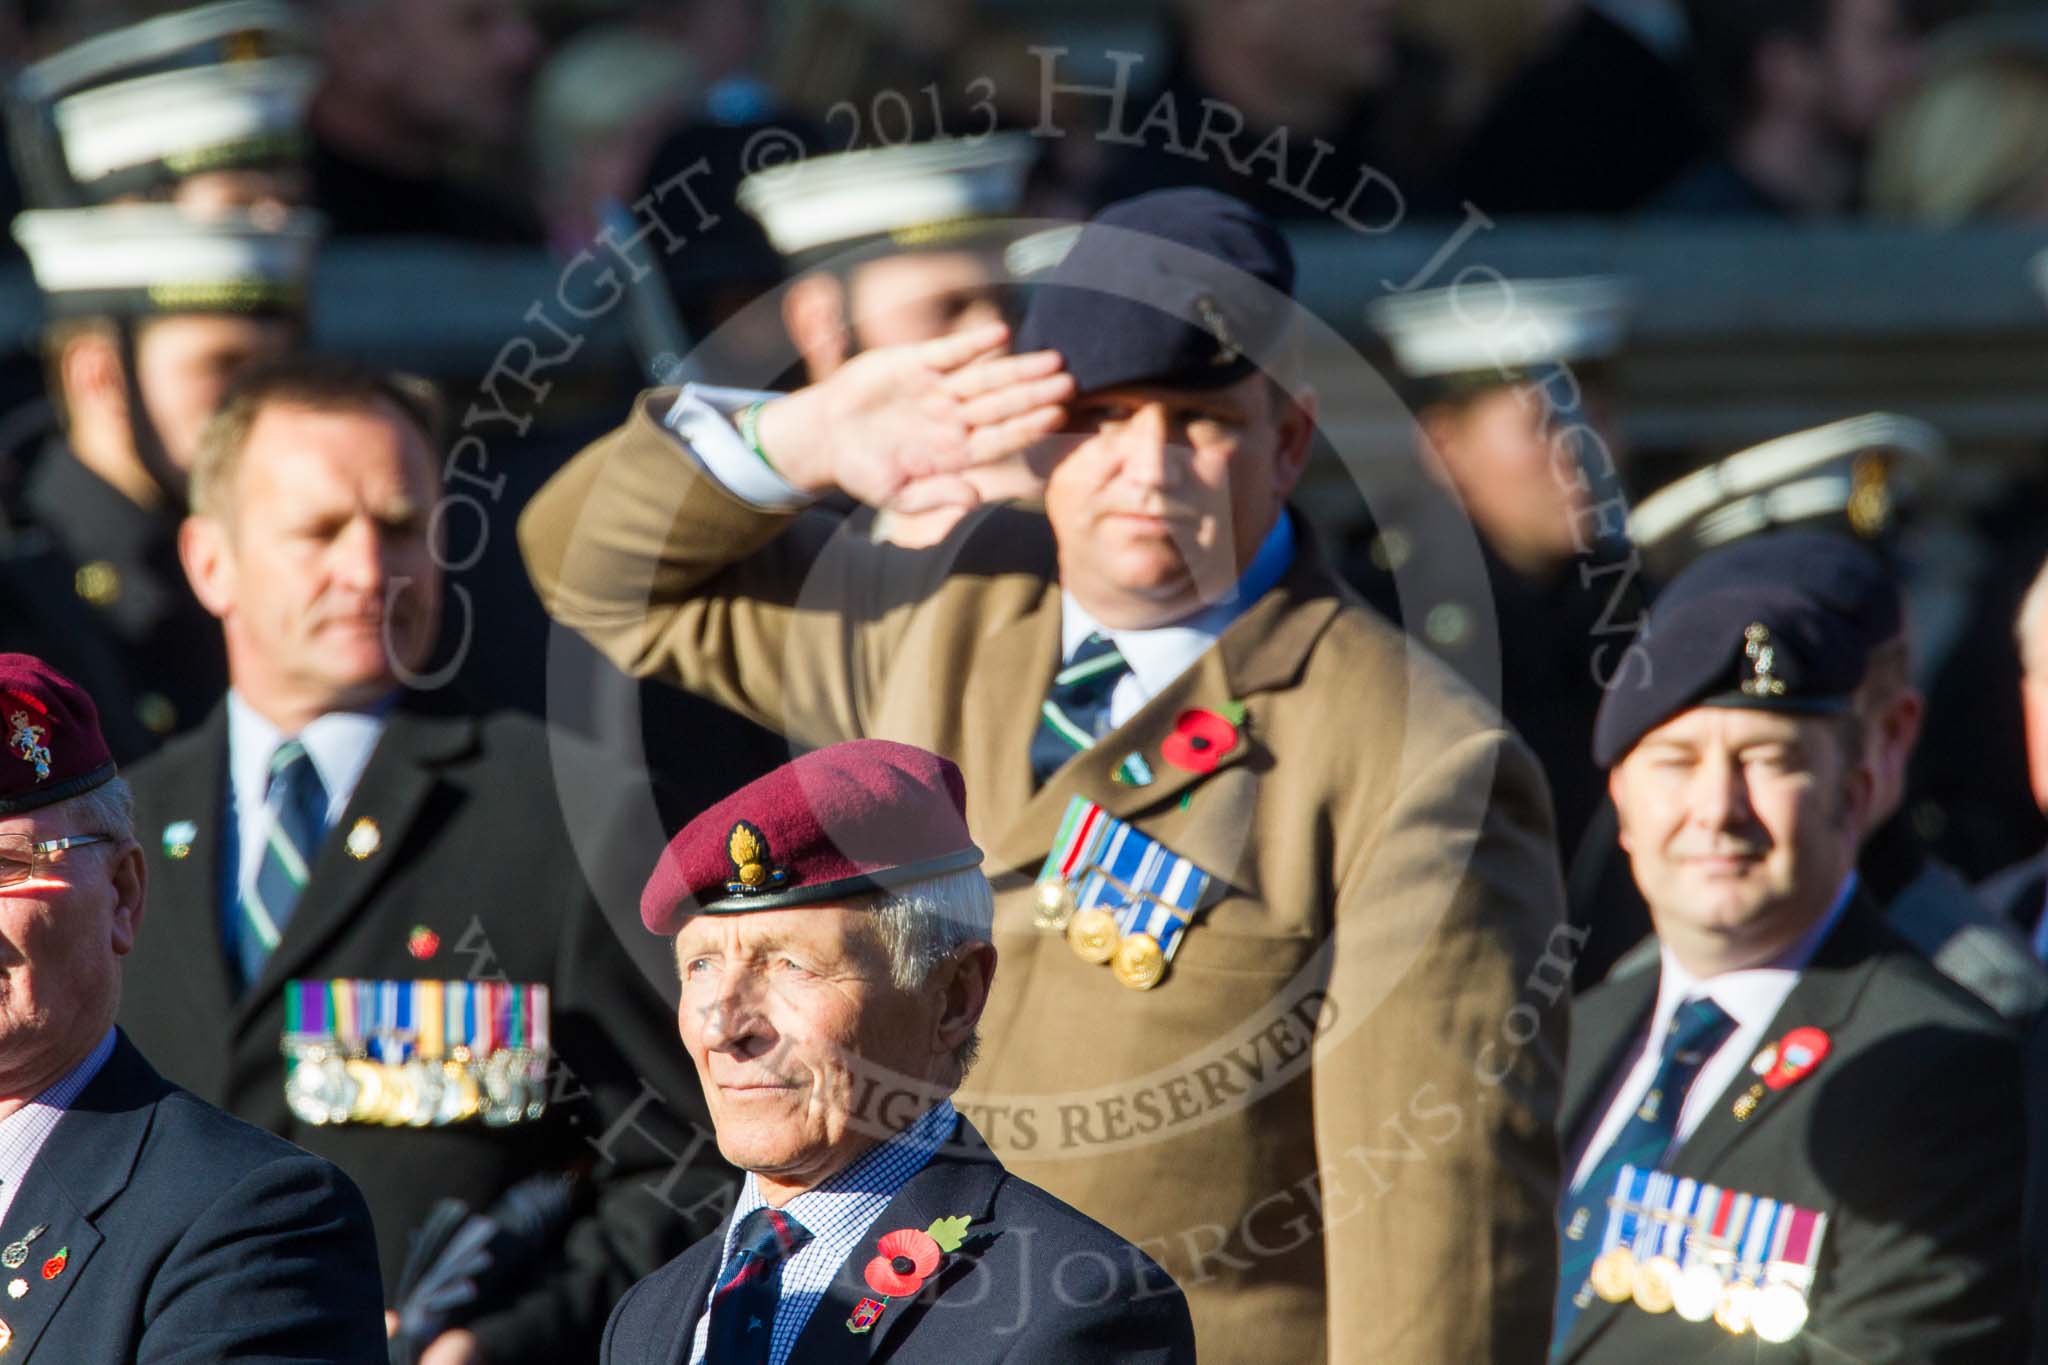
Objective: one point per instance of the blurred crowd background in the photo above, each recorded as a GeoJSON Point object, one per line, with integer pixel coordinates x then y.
{"type": "Point", "coordinates": [1778, 214]}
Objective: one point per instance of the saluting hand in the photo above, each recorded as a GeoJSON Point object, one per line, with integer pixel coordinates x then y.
{"type": "Point", "coordinates": [920, 427]}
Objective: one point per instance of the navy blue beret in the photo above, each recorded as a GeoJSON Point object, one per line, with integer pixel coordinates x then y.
{"type": "Point", "coordinates": [1738, 628]}
{"type": "Point", "coordinates": [1183, 288]}
{"type": "Point", "coordinates": [1843, 574]}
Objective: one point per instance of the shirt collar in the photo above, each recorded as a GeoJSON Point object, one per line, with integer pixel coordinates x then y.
{"type": "Point", "coordinates": [339, 743]}
{"type": "Point", "coordinates": [1751, 995]}
{"type": "Point", "coordinates": [1162, 653]}
{"type": "Point", "coordinates": [23, 1133]}
{"type": "Point", "coordinates": [883, 1169]}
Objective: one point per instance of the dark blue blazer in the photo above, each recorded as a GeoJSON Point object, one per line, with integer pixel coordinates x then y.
{"type": "Point", "coordinates": [1034, 1281]}
{"type": "Point", "coordinates": [190, 1237]}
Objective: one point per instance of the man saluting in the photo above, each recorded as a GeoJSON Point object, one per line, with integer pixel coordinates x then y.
{"type": "Point", "coordinates": [1269, 888]}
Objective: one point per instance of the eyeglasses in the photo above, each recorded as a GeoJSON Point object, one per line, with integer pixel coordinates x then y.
{"type": "Point", "coordinates": [20, 855]}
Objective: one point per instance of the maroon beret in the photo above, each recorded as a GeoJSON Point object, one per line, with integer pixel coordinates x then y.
{"type": "Point", "coordinates": [54, 747]}
{"type": "Point", "coordinates": [866, 815]}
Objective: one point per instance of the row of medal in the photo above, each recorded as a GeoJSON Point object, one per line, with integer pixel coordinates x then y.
{"type": "Point", "coordinates": [1119, 897]}
{"type": "Point", "coordinates": [416, 1053]}
{"type": "Point", "coordinates": [1677, 1245]}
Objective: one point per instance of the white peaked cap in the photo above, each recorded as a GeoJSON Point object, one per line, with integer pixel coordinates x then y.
{"type": "Point", "coordinates": [888, 191]}
{"type": "Point", "coordinates": [1494, 326]}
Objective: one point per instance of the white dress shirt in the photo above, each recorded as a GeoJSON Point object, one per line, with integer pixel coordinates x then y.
{"type": "Point", "coordinates": [1752, 998]}
{"type": "Point", "coordinates": [839, 1215]}
{"type": "Point", "coordinates": [703, 417]}
{"type": "Point", "coordinates": [23, 1132]}
{"type": "Point", "coordinates": [339, 743]}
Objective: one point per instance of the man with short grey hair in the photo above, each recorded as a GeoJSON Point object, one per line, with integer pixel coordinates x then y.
{"type": "Point", "coordinates": [832, 930]}
{"type": "Point", "coordinates": [193, 1233]}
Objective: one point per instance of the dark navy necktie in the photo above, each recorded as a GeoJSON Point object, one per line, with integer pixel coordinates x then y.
{"type": "Point", "coordinates": [294, 821]}
{"type": "Point", "coordinates": [1698, 1028]}
{"type": "Point", "coordinates": [1076, 709]}
{"type": "Point", "coordinates": [743, 1306]}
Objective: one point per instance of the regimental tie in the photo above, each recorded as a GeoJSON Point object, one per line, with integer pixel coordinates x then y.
{"type": "Point", "coordinates": [294, 821]}
{"type": "Point", "coordinates": [1076, 709]}
{"type": "Point", "coordinates": [743, 1305]}
{"type": "Point", "coordinates": [1698, 1028]}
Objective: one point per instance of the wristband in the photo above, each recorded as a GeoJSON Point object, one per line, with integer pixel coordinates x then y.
{"type": "Point", "coordinates": [749, 424]}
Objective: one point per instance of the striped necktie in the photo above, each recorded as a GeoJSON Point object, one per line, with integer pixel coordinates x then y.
{"type": "Point", "coordinates": [294, 821]}
{"type": "Point", "coordinates": [1076, 710]}
{"type": "Point", "coordinates": [743, 1305]}
{"type": "Point", "coordinates": [1698, 1028]}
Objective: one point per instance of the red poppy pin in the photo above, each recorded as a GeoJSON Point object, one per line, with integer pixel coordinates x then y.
{"type": "Point", "coordinates": [907, 1259]}
{"type": "Point", "coordinates": [1799, 1052]}
{"type": "Point", "coordinates": [422, 942]}
{"type": "Point", "coordinates": [54, 1267]}
{"type": "Point", "coordinates": [1200, 739]}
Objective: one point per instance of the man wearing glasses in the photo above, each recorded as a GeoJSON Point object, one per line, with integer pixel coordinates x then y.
{"type": "Point", "coordinates": [195, 1230]}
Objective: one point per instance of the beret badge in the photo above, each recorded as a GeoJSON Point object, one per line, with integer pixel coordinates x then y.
{"type": "Point", "coordinates": [752, 870]}
{"type": "Point", "coordinates": [1763, 658]}
{"type": "Point", "coordinates": [26, 739]}
{"type": "Point", "coordinates": [1227, 348]}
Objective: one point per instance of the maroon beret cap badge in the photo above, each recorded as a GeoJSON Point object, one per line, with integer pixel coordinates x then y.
{"type": "Point", "coordinates": [752, 872]}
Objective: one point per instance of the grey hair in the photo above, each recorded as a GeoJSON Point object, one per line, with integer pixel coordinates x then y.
{"type": "Point", "coordinates": [107, 809]}
{"type": "Point", "coordinates": [922, 924]}
{"type": "Point", "coordinates": [2032, 620]}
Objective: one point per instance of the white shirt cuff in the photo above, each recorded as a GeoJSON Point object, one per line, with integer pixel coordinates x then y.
{"type": "Point", "coordinates": [704, 416]}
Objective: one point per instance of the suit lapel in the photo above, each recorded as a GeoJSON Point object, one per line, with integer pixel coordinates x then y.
{"type": "Point", "coordinates": [696, 1292]}
{"type": "Point", "coordinates": [1824, 996]}
{"type": "Point", "coordinates": [185, 895]}
{"type": "Point", "coordinates": [1602, 1040]}
{"type": "Point", "coordinates": [86, 1162]}
{"type": "Point", "coordinates": [961, 1178]}
{"type": "Point", "coordinates": [394, 788]}
{"type": "Point", "coordinates": [1012, 670]}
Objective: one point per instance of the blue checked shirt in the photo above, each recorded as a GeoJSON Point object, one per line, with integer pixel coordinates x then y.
{"type": "Point", "coordinates": [838, 1215]}
{"type": "Point", "coordinates": [23, 1132]}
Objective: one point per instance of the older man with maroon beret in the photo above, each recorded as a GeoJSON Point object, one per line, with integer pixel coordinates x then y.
{"type": "Point", "coordinates": [831, 927]}
{"type": "Point", "coordinates": [137, 1223]}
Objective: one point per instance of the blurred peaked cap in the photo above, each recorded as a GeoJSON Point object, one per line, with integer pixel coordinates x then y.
{"type": "Point", "coordinates": [1858, 475]}
{"type": "Point", "coordinates": [54, 749]}
{"type": "Point", "coordinates": [1185, 288]}
{"type": "Point", "coordinates": [1496, 327]}
{"type": "Point", "coordinates": [204, 36]}
{"type": "Point", "coordinates": [132, 260]}
{"type": "Point", "coordinates": [1731, 639]}
{"type": "Point", "coordinates": [838, 823]}
{"type": "Point", "coordinates": [916, 195]}
{"type": "Point", "coordinates": [1839, 572]}
{"type": "Point", "coordinates": [158, 128]}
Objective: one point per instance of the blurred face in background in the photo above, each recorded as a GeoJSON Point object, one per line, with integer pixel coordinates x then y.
{"type": "Point", "coordinates": [1516, 467]}
{"type": "Point", "coordinates": [319, 566]}
{"type": "Point", "coordinates": [1869, 59]}
{"type": "Point", "coordinates": [452, 70]}
{"type": "Point", "coordinates": [891, 300]}
{"type": "Point", "coordinates": [184, 364]}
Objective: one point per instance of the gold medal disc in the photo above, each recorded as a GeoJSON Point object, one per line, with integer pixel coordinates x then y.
{"type": "Point", "coordinates": [1737, 1301]}
{"type": "Point", "coordinates": [1139, 963]}
{"type": "Point", "coordinates": [1092, 935]}
{"type": "Point", "coordinates": [1652, 1287]}
{"type": "Point", "coordinates": [1613, 1275]}
{"type": "Point", "coordinates": [1696, 1292]}
{"type": "Point", "coordinates": [1054, 905]}
{"type": "Point", "coordinates": [1778, 1313]}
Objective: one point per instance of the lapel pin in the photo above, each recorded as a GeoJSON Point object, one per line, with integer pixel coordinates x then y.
{"type": "Point", "coordinates": [54, 1267]}
{"type": "Point", "coordinates": [15, 1256]}
{"type": "Point", "coordinates": [16, 1287]}
{"type": "Point", "coordinates": [178, 837]}
{"type": "Point", "coordinates": [1134, 771]}
{"type": "Point", "coordinates": [907, 1259]}
{"type": "Point", "coordinates": [422, 942]}
{"type": "Point", "coordinates": [6, 1334]}
{"type": "Point", "coordinates": [866, 1314]}
{"type": "Point", "coordinates": [1199, 741]}
{"type": "Point", "coordinates": [1799, 1052]}
{"type": "Point", "coordinates": [1764, 1060]}
{"type": "Point", "coordinates": [364, 838]}
{"type": "Point", "coordinates": [1746, 1105]}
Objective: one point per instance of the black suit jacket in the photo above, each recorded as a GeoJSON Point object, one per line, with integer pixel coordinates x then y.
{"type": "Point", "coordinates": [2017, 893]}
{"type": "Point", "coordinates": [1034, 1281]}
{"type": "Point", "coordinates": [1909, 1136]}
{"type": "Point", "coordinates": [189, 1237]}
{"type": "Point", "coordinates": [475, 847]}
